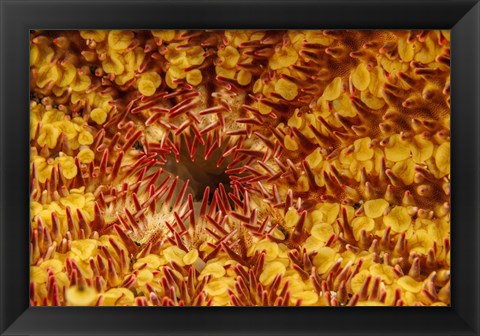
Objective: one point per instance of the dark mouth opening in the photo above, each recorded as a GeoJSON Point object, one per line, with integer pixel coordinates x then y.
{"type": "Point", "coordinates": [201, 172]}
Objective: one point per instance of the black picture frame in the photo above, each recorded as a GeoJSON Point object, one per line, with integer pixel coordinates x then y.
{"type": "Point", "coordinates": [17, 17]}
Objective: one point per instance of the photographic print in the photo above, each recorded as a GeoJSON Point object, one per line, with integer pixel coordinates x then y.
{"type": "Point", "coordinates": [240, 168]}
